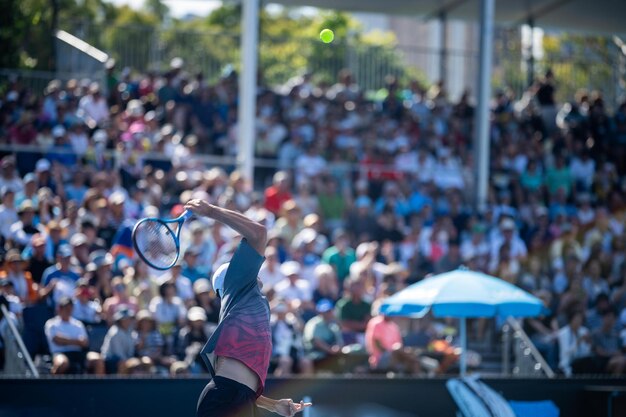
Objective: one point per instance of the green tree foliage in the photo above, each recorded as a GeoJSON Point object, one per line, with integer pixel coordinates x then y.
{"type": "Point", "coordinates": [579, 62]}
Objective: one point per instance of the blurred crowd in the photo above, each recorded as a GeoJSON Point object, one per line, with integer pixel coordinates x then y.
{"type": "Point", "coordinates": [361, 198]}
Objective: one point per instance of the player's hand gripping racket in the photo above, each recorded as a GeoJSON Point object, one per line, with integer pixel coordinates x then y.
{"type": "Point", "coordinates": [157, 240]}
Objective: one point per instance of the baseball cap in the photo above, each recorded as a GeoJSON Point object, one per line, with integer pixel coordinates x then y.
{"type": "Point", "coordinates": [281, 307]}
{"type": "Point", "coordinates": [196, 314]}
{"type": "Point", "coordinates": [65, 301]}
{"type": "Point", "coordinates": [123, 313]}
{"type": "Point", "coordinates": [290, 268]}
{"type": "Point", "coordinates": [78, 239]}
{"type": "Point", "coordinates": [218, 279]}
{"type": "Point", "coordinates": [42, 165]}
{"type": "Point", "coordinates": [58, 131]}
{"type": "Point", "coordinates": [64, 250]}
{"type": "Point", "coordinates": [144, 315]}
{"type": "Point", "coordinates": [202, 285]}
{"type": "Point", "coordinates": [507, 224]}
{"type": "Point", "coordinates": [324, 305]}
{"type": "Point", "coordinates": [13, 255]}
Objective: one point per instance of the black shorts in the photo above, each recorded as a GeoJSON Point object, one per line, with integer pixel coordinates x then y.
{"type": "Point", "coordinates": [227, 398]}
{"type": "Point", "coordinates": [77, 361]}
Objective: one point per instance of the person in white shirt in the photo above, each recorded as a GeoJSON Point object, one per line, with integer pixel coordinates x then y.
{"type": "Point", "coordinates": [94, 107]}
{"type": "Point", "coordinates": [309, 165]}
{"type": "Point", "coordinates": [574, 343]}
{"type": "Point", "coordinates": [270, 272]}
{"type": "Point", "coordinates": [8, 213]}
{"type": "Point", "coordinates": [294, 290]}
{"type": "Point", "coordinates": [68, 342]}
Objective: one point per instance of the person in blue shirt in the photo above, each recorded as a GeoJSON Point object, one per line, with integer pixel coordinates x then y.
{"type": "Point", "coordinates": [60, 279]}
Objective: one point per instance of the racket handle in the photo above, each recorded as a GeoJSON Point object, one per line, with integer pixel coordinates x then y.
{"type": "Point", "coordinates": [186, 214]}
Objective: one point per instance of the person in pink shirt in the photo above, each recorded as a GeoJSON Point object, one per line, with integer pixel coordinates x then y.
{"type": "Point", "coordinates": [383, 341]}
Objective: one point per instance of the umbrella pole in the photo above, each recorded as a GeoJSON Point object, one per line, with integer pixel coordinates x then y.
{"type": "Point", "coordinates": [463, 335]}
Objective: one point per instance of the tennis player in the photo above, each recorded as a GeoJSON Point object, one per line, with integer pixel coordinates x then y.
{"type": "Point", "coordinates": [238, 352]}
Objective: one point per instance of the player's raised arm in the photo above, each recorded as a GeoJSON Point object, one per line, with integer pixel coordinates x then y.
{"type": "Point", "coordinates": [255, 233]}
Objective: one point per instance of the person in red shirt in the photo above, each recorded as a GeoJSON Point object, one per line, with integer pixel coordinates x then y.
{"type": "Point", "coordinates": [278, 192]}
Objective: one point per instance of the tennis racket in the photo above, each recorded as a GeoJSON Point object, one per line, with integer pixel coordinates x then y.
{"type": "Point", "coordinates": [157, 240]}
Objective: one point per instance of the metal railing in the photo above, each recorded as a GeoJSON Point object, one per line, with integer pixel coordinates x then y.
{"type": "Point", "coordinates": [17, 358]}
{"type": "Point", "coordinates": [527, 361]}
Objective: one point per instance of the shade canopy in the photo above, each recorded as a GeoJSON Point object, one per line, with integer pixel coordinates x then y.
{"type": "Point", "coordinates": [598, 16]}
{"type": "Point", "coordinates": [462, 293]}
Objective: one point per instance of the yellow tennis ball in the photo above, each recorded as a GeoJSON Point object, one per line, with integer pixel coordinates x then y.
{"type": "Point", "coordinates": [327, 36]}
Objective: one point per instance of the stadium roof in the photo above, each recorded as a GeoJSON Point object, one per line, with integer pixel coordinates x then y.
{"type": "Point", "coordinates": [597, 16]}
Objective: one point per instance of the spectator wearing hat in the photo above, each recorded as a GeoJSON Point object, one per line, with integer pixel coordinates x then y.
{"type": "Point", "coordinates": [29, 192]}
{"type": "Point", "coordinates": [120, 299]}
{"type": "Point", "coordinates": [294, 290]}
{"type": "Point", "coordinates": [100, 273]}
{"type": "Point", "coordinates": [290, 221]}
{"type": "Point", "coordinates": [87, 309]}
{"type": "Point", "coordinates": [14, 270]}
{"type": "Point", "coordinates": [93, 107]}
{"type": "Point", "coordinates": [68, 342]}
{"type": "Point", "coordinates": [192, 337]}
{"type": "Point", "coordinates": [21, 231]}
{"type": "Point", "coordinates": [508, 238]}
{"type": "Point", "coordinates": [8, 174]}
{"type": "Point", "coordinates": [327, 284]}
{"type": "Point", "coordinates": [80, 249]}
{"type": "Point", "coordinates": [8, 213]}
{"type": "Point", "coordinates": [206, 299]}
{"type": "Point", "coordinates": [278, 193]}
{"type": "Point", "coordinates": [150, 343]}
{"type": "Point", "coordinates": [59, 279]}
{"type": "Point", "coordinates": [287, 346]}
{"type": "Point", "coordinates": [322, 337]}
{"type": "Point", "coordinates": [7, 290]}
{"type": "Point", "coordinates": [120, 342]}
{"type": "Point", "coordinates": [37, 261]}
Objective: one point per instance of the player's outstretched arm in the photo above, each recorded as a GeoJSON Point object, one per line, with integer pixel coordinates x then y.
{"type": "Point", "coordinates": [284, 407]}
{"type": "Point", "coordinates": [255, 233]}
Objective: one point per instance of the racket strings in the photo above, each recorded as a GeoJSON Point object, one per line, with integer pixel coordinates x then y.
{"type": "Point", "coordinates": [157, 243]}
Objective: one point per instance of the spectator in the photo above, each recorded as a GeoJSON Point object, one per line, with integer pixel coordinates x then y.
{"type": "Point", "coordinates": [68, 342]}
{"type": "Point", "coordinates": [278, 193]}
{"type": "Point", "coordinates": [383, 341]}
{"type": "Point", "coordinates": [207, 300]}
{"type": "Point", "coordinates": [192, 337]}
{"type": "Point", "coordinates": [150, 342]}
{"type": "Point", "coordinates": [340, 256]}
{"type": "Point", "coordinates": [287, 347]}
{"type": "Point", "coordinates": [271, 272]}
{"type": "Point", "coordinates": [37, 262]}
{"type": "Point", "coordinates": [24, 287]}
{"type": "Point", "coordinates": [86, 308]}
{"type": "Point", "coordinates": [120, 343]}
{"type": "Point", "coordinates": [322, 337]}
{"type": "Point", "coordinates": [294, 290]}
{"type": "Point", "coordinates": [59, 279]}
{"type": "Point", "coordinates": [606, 345]}
{"type": "Point", "coordinates": [574, 345]}
{"type": "Point", "coordinates": [352, 312]}
{"type": "Point", "coordinates": [119, 300]}
{"type": "Point", "coordinates": [169, 312]}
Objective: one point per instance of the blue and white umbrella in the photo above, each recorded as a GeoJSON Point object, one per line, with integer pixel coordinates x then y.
{"type": "Point", "coordinates": [462, 293]}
